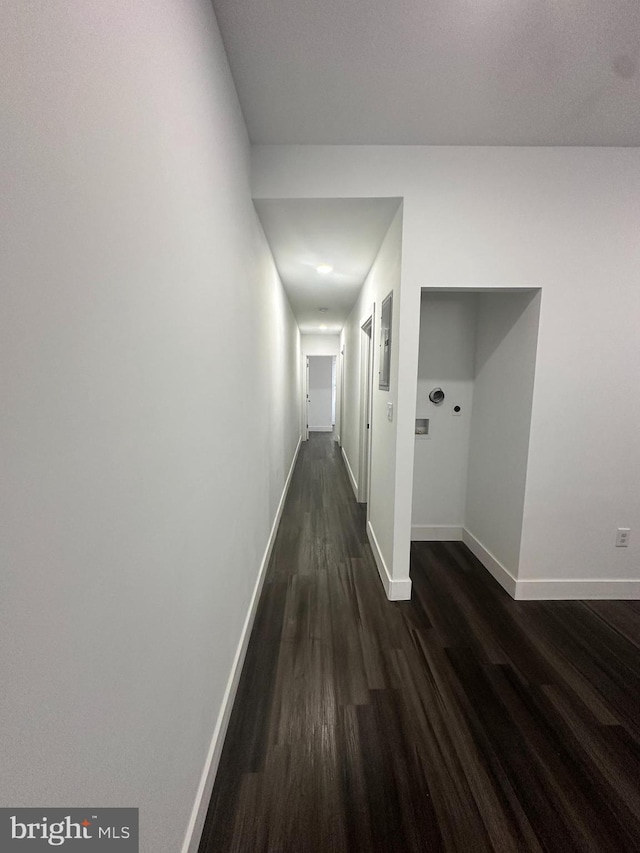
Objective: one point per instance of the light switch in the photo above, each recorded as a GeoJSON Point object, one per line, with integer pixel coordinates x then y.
{"type": "Point", "coordinates": [389, 411]}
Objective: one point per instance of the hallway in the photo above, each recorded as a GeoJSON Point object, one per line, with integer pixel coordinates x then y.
{"type": "Point", "coordinates": [459, 721]}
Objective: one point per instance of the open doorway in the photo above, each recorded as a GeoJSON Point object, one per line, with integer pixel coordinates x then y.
{"type": "Point", "coordinates": [321, 390]}
{"type": "Point", "coordinates": [476, 370]}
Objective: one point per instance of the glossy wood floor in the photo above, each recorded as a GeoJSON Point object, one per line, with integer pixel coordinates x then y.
{"type": "Point", "coordinates": [459, 721]}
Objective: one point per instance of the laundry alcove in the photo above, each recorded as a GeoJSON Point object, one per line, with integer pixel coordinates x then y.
{"type": "Point", "coordinates": [479, 348]}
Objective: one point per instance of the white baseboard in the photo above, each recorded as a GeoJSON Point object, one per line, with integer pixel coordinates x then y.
{"type": "Point", "coordinates": [396, 590]}
{"type": "Point", "coordinates": [352, 479]}
{"type": "Point", "coordinates": [567, 590]}
{"type": "Point", "coordinates": [321, 429]}
{"type": "Point", "coordinates": [549, 589]}
{"type": "Point", "coordinates": [436, 533]}
{"type": "Point", "coordinates": [535, 589]}
{"type": "Point", "coordinates": [493, 566]}
{"type": "Point", "coordinates": [205, 788]}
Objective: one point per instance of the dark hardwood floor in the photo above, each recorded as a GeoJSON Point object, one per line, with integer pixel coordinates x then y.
{"type": "Point", "coordinates": [459, 721]}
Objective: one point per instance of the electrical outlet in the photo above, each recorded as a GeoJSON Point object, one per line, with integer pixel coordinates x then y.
{"type": "Point", "coordinates": [622, 537]}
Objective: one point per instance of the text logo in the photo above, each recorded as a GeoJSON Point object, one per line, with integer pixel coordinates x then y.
{"type": "Point", "coordinates": [101, 830]}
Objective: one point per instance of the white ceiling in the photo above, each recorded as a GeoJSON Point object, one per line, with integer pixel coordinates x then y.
{"type": "Point", "coordinates": [436, 72]}
{"type": "Point", "coordinates": [344, 233]}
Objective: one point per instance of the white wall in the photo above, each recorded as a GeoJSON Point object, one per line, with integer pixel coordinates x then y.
{"type": "Point", "coordinates": [500, 422]}
{"type": "Point", "coordinates": [565, 220]}
{"type": "Point", "coordinates": [446, 360]}
{"type": "Point", "coordinates": [320, 392]}
{"type": "Point", "coordinates": [320, 344]}
{"type": "Point", "coordinates": [383, 278]}
{"type": "Point", "coordinates": [142, 327]}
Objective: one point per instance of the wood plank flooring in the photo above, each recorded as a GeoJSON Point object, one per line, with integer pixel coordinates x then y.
{"type": "Point", "coordinates": [459, 721]}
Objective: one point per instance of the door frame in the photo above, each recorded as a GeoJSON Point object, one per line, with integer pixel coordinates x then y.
{"type": "Point", "coordinates": [341, 397]}
{"type": "Point", "coordinates": [367, 336]}
{"type": "Point", "coordinates": [305, 425]}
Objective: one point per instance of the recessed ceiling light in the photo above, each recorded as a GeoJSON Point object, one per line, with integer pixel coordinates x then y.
{"type": "Point", "coordinates": [322, 326]}
{"type": "Point", "coordinates": [324, 269]}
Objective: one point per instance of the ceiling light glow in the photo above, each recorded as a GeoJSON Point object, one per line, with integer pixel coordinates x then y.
{"type": "Point", "coordinates": [324, 269]}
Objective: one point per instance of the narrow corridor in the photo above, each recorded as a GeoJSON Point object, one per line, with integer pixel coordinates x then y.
{"type": "Point", "coordinates": [459, 721]}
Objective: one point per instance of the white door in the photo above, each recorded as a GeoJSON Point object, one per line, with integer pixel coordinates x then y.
{"type": "Point", "coordinates": [320, 391]}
